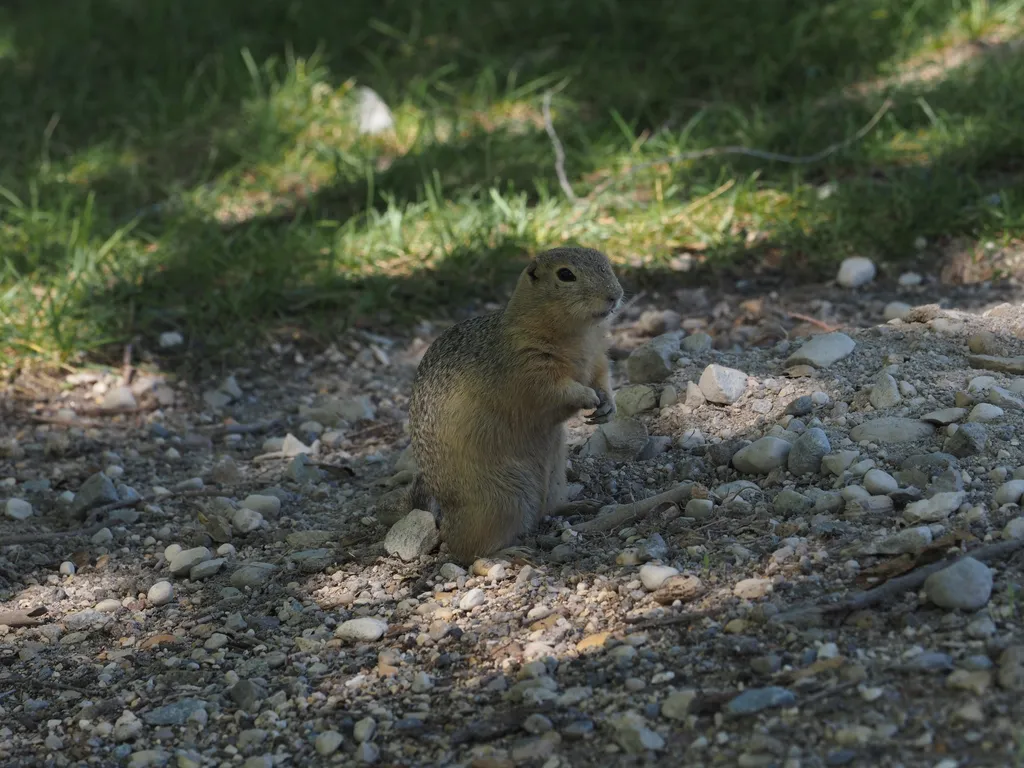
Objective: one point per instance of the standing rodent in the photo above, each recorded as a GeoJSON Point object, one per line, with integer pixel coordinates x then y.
{"type": "Point", "coordinates": [491, 396]}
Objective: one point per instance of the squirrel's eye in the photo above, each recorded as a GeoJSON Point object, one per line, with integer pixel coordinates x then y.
{"type": "Point", "coordinates": [565, 275]}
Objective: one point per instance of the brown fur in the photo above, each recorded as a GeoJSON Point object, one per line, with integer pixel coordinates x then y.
{"type": "Point", "coordinates": [492, 394]}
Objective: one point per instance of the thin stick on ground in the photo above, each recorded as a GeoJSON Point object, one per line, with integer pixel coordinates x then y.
{"type": "Point", "coordinates": [699, 154]}
{"type": "Point", "coordinates": [893, 587]}
{"type": "Point", "coordinates": [556, 143]}
{"type": "Point", "coordinates": [614, 515]}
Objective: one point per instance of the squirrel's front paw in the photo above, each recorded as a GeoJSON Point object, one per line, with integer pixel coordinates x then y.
{"type": "Point", "coordinates": [588, 399]}
{"type": "Point", "coordinates": [605, 408]}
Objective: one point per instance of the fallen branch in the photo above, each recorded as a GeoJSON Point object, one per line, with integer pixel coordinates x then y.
{"type": "Point", "coordinates": [700, 154]}
{"type": "Point", "coordinates": [615, 515]}
{"type": "Point", "coordinates": [813, 321]}
{"type": "Point", "coordinates": [556, 143]}
{"type": "Point", "coordinates": [89, 530]}
{"type": "Point", "coordinates": [893, 587]}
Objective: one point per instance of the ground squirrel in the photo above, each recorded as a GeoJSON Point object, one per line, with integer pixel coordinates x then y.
{"type": "Point", "coordinates": [491, 396]}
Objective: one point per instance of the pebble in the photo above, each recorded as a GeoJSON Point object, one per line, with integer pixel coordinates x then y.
{"type": "Point", "coordinates": [912, 540]}
{"type": "Point", "coordinates": [1010, 492]}
{"type": "Point", "coordinates": [754, 700]}
{"type": "Point", "coordinates": [885, 393]}
{"type": "Point", "coordinates": [245, 520]}
{"type": "Point", "coordinates": [18, 509]}
{"type": "Point", "coordinates": [328, 742]}
{"type": "Point", "coordinates": [752, 589]}
{"type": "Point", "coordinates": [632, 734]}
{"type": "Point", "coordinates": [653, 576]}
{"type": "Point", "coordinates": [809, 451]}
{"type": "Point", "coordinates": [722, 385]}
{"type": "Point", "coordinates": [366, 629]}
{"type": "Point", "coordinates": [896, 310]}
{"type": "Point", "coordinates": [472, 599]}
{"type": "Point", "coordinates": [413, 536]}
{"type": "Point", "coordinates": [98, 489]}
{"type": "Point", "coordinates": [965, 585]}
{"type": "Point", "coordinates": [184, 561]}
{"type": "Point", "coordinates": [985, 413]}
{"type": "Point", "coordinates": [944, 416]}
{"type": "Point", "coordinates": [622, 439]}
{"type": "Point", "coordinates": [1011, 669]}
{"type": "Point", "coordinates": [856, 271]}
{"type": "Point", "coordinates": [876, 481]}
{"type": "Point", "coordinates": [160, 593]}
{"type": "Point", "coordinates": [762, 456]}
{"type": "Point", "coordinates": [364, 729]}
{"type": "Point", "coordinates": [823, 350]}
{"type": "Point", "coordinates": [268, 506]}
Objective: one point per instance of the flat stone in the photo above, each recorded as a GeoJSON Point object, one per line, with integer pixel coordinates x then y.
{"type": "Point", "coordinates": [722, 385]}
{"type": "Point", "coordinates": [18, 509]}
{"type": "Point", "coordinates": [823, 350]}
{"type": "Point", "coordinates": [97, 490]}
{"type": "Point", "coordinates": [935, 509]}
{"type": "Point", "coordinates": [885, 393]}
{"type": "Point", "coordinates": [944, 416]}
{"type": "Point", "coordinates": [635, 398]}
{"type": "Point", "coordinates": [762, 456]}
{"type": "Point", "coordinates": [892, 429]}
{"type": "Point", "coordinates": [754, 700]}
{"type": "Point", "coordinates": [414, 535]}
{"type": "Point", "coordinates": [184, 561]}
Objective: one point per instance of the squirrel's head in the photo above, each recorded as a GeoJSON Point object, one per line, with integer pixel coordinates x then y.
{"type": "Point", "coordinates": [578, 281]}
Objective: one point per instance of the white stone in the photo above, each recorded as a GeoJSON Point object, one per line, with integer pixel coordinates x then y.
{"type": "Point", "coordinates": [856, 271]}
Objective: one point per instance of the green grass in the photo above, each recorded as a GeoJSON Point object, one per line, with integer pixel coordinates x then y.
{"type": "Point", "coordinates": [196, 167]}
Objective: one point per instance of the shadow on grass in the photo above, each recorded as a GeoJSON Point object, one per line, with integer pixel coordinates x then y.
{"type": "Point", "coordinates": [134, 101]}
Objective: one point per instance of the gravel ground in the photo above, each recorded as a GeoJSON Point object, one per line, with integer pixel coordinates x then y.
{"type": "Point", "coordinates": [209, 574]}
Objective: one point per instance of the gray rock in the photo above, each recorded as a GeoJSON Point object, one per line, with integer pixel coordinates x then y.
{"type": "Point", "coordinates": [1009, 492]}
{"type": "Point", "coordinates": [856, 271]}
{"type": "Point", "coordinates": [413, 536]}
{"type": "Point", "coordinates": [120, 398]}
{"type": "Point", "coordinates": [252, 575]}
{"type": "Point", "coordinates": [698, 343]}
{"type": "Point", "coordinates": [97, 490]}
{"type": "Point", "coordinates": [801, 406]}
{"type": "Point", "coordinates": [669, 397]}
{"type": "Point", "coordinates": [912, 541]}
{"type": "Point", "coordinates": [246, 694]}
{"type": "Point", "coordinates": [934, 509]}
{"type": "Point", "coordinates": [268, 506]}
{"type": "Point", "coordinates": [694, 397]}
{"type": "Point", "coordinates": [184, 561]}
{"type": "Point", "coordinates": [823, 350]}
{"type": "Point", "coordinates": [965, 585]}
{"type": "Point", "coordinates": [896, 310]}
{"type": "Point", "coordinates": [177, 713]}
{"type": "Point", "coordinates": [944, 416]}
{"type": "Point", "coordinates": [808, 452]}
{"type": "Point", "coordinates": [1011, 669]}
{"type": "Point", "coordinates": [885, 393]}
{"type": "Point", "coordinates": [160, 593]}
{"type": "Point", "coordinates": [365, 630]}
{"type": "Point", "coordinates": [245, 520]}
{"type": "Point", "coordinates": [206, 569]}
{"type": "Point", "coordinates": [18, 509]}
{"type": "Point", "coordinates": [653, 576]}
{"type": "Point", "coordinates": [892, 429]}
{"type": "Point", "coordinates": [303, 471]}
{"type": "Point", "coordinates": [969, 440]}
{"type": "Point", "coordinates": [632, 734]}
{"type": "Point", "coordinates": [328, 742]}
{"type": "Point", "coordinates": [720, 454]}
{"type": "Point", "coordinates": [754, 700]}
{"type": "Point", "coordinates": [762, 456]}
{"type": "Point", "coordinates": [789, 503]}
{"type": "Point", "coordinates": [722, 385]}
{"type": "Point", "coordinates": [653, 362]}
{"type": "Point", "coordinates": [621, 439]}
{"type": "Point", "coordinates": [985, 413]}
{"type": "Point", "coordinates": [877, 481]}
{"type": "Point", "coordinates": [655, 446]}
{"type": "Point", "coordinates": [838, 462]}
{"type": "Point", "coordinates": [633, 399]}
{"type": "Point", "coordinates": [699, 509]}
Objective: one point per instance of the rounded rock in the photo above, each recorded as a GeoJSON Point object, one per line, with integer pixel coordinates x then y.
{"type": "Point", "coordinates": [965, 585]}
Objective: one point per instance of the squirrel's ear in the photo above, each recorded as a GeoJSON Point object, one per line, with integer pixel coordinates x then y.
{"type": "Point", "coordinates": [532, 271]}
